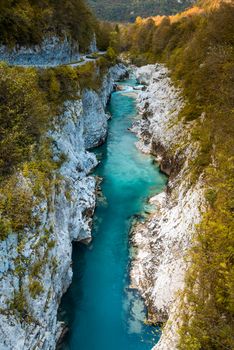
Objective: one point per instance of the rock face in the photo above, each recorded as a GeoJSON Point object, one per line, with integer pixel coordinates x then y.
{"type": "Point", "coordinates": [65, 216]}
{"type": "Point", "coordinates": [93, 45]}
{"type": "Point", "coordinates": [51, 52]}
{"type": "Point", "coordinates": [94, 108]}
{"type": "Point", "coordinates": [161, 242]}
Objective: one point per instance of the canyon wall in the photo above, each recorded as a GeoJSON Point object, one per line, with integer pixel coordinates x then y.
{"type": "Point", "coordinates": [52, 51]}
{"type": "Point", "coordinates": [29, 320]}
{"type": "Point", "coordinates": [158, 266]}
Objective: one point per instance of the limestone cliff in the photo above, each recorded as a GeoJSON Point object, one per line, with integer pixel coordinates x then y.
{"type": "Point", "coordinates": [52, 51]}
{"type": "Point", "coordinates": [161, 242]}
{"type": "Point", "coordinates": [64, 217]}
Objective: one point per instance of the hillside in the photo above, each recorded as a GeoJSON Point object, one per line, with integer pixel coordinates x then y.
{"type": "Point", "coordinates": [197, 46]}
{"type": "Point", "coordinates": [27, 22]}
{"type": "Point", "coordinates": [122, 10]}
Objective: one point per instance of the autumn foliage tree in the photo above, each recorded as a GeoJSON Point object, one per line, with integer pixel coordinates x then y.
{"type": "Point", "coordinates": [26, 22]}
{"type": "Point", "coordinates": [198, 48]}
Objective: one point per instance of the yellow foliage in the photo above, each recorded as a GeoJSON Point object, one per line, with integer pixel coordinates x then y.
{"type": "Point", "coordinates": [198, 47]}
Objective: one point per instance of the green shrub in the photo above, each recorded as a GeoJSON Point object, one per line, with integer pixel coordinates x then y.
{"type": "Point", "coordinates": [23, 116]}
{"type": "Point", "coordinates": [211, 196]}
{"type": "Point", "coordinates": [35, 288]}
{"type": "Point", "coordinates": [190, 112]}
{"type": "Point", "coordinates": [51, 244]}
{"type": "Point", "coordinates": [16, 203]}
{"type": "Point", "coordinates": [19, 303]}
{"type": "Point", "coordinates": [111, 54]}
{"type": "Point", "coordinates": [36, 269]}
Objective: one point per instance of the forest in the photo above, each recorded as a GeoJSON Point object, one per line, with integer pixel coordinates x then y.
{"type": "Point", "coordinates": [198, 47]}
{"type": "Point", "coordinates": [26, 22]}
{"type": "Point", "coordinates": [127, 11]}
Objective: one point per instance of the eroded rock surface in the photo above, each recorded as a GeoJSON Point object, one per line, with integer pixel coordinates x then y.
{"type": "Point", "coordinates": [65, 215]}
{"type": "Point", "coordinates": [160, 243]}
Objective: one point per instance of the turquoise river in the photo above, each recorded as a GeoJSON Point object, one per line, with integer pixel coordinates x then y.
{"type": "Point", "coordinates": [101, 311]}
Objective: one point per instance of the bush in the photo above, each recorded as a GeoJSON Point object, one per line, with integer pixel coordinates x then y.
{"type": "Point", "coordinates": [19, 304]}
{"type": "Point", "coordinates": [211, 196]}
{"type": "Point", "coordinates": [35, 288]}
{"type": "Point", "coordinates": [23, 116]}
{"type": "Point", "coordinates": [16, 202]}
{"type": "Point", "coordinates": [111, 54]}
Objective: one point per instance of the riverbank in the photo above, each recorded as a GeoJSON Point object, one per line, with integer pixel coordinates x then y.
{"type": "Point", "coordinates": [162, 241]}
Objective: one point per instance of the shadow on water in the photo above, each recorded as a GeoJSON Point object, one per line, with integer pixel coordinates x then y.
{"type": "Point", "coordinates": [101, 311]}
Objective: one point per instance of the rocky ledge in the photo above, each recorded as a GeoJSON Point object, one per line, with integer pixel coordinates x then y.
{"type": "Point", "coordinates": [51, 52]}
{"type": "Point", "coordinates": [160, 243]}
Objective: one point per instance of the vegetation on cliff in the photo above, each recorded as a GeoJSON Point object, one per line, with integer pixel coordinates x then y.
{"type": "Point", "coordinates": [197, 46]}
{"type": "Point", "coordinates": [30, 101]}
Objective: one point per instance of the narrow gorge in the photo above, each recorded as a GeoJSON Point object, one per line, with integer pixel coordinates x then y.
{"type": "Point", "coordinates": [100, 301]}
{"type": "Point", "coordinates": [66, 217]}
{"type": "Point", "coordinates": [116, 176]}
{"type": "Point", "coordinates": [127, 255]}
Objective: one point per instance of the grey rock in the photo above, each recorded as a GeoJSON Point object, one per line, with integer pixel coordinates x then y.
{"type": "Point", "coordinates": [66, 216]}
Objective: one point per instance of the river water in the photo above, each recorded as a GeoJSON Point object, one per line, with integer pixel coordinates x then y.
{"type": "Point", "coordinates": [101, 311]}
